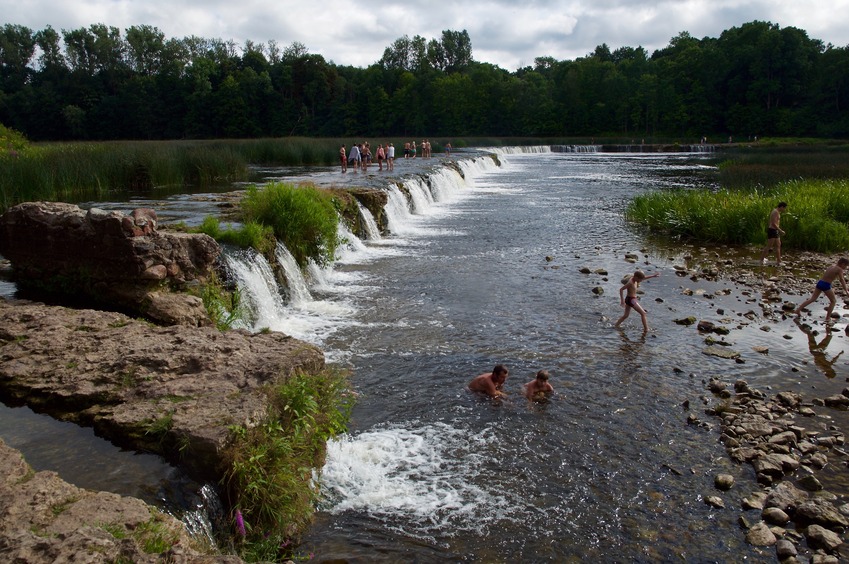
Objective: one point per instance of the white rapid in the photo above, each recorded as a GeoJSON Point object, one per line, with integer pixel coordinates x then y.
{"type": "Point", "coordinates": [313, 304]}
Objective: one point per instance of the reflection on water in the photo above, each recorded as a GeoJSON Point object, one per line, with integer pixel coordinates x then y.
{"type": "Point", "coordinates": [817, 348]}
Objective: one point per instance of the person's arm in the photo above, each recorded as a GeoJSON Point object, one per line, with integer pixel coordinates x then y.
{"type": "Point", "coordinates": [843, 283]}
{"type": "Point", "coordinates": [655, 275]}
{"type": "Point", "coordinates": [621, 296]}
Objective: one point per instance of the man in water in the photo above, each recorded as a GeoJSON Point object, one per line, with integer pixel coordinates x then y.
{"type": "Point", "coordinates": [491, 382]}
{"type": "Point", "coordinates": [774, 233]}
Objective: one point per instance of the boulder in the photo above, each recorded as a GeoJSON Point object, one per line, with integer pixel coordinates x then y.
{"type": "Point", "coordinates": [44, 519]}
{"type": "Point", "coordinates": [169, 390]}
{"type": "Point", "coordinates": [105, 258]}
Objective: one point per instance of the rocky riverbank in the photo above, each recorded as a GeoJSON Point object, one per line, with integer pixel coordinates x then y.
{"type": "Point", "coordinates": [44, 519]}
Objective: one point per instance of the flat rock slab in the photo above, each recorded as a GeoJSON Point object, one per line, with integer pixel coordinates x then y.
{"type": "Point", "coordinates": [45, 519]}
{"type": "Point", "coordinates": [169, 390]}
{"type": "Point", "coordinates": [722, 352]}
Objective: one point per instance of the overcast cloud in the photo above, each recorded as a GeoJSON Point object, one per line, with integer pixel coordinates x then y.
{"type": "Point", "coordinates": [509, 34]}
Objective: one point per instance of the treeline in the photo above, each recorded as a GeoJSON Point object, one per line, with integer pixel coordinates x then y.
{"type": "Point", "coordinates": [95, 83]}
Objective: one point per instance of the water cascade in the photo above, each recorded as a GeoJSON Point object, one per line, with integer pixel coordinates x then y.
{"type": "Point", "coordinates": [372, 230]}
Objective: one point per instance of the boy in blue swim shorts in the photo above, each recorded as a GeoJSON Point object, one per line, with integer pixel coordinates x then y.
{"type": "Point", "coordinates": [832, 273]}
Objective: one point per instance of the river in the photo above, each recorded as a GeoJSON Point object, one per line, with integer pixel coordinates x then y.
{"type": "Point", "coordinates": [486, 270]}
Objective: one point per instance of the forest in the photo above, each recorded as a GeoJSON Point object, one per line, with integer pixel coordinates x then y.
{"type": "Point", "coordinates": [95, 83]}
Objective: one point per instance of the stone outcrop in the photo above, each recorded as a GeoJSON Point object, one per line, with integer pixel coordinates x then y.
{"type": "Point", "coordinates": [44, 519]}
{"type": "Point", "coordinates": [169, 390]}
{"type": "Point", "coordinates": [108, 258]}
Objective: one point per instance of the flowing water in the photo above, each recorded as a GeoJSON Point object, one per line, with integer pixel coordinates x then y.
{"type": "Point", "coordinates": [484, 268]}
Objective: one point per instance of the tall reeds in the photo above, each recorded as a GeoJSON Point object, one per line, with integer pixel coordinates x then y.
{"type": "Point", "coordinates": [817, 218]}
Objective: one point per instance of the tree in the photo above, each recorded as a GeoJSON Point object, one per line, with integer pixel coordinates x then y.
{"type": "Point", "coordinates": [145, 46]}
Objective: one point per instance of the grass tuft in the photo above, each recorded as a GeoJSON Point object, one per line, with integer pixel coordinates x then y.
{"type": "Point", "coordinates": [269, 481]}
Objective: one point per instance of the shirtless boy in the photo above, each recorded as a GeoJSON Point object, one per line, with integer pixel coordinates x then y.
{"type": "Point", "coordinates": [491, 382]}
{"type": "Point", "coordinates": [630, 300]}
{"type": "Point", "coordinates": [774, 233]}
{"type": "Point", "coordinates": [832, 273]}
{"type": "Point", "coordinates": [539, 388]}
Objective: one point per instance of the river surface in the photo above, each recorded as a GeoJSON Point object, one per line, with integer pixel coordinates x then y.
{"type": "Point", "coordinates": [486, 270]}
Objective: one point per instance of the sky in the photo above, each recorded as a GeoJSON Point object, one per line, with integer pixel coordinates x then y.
{"type": "Point", "coordinates": [509, 34]}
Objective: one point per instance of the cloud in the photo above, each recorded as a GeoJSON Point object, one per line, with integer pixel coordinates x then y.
{"type": "Point", "coordinates": [505, 33]}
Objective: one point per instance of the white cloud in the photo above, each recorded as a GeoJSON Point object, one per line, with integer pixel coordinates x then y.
{"type": "Point", "coordinates": [505, 33]}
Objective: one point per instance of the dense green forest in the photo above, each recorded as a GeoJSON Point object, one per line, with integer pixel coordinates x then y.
{"type": "Point", "coordinates": [94, 83]}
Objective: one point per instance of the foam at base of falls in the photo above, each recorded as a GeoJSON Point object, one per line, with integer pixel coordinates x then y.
{"type": "Point", "coordinates": [431, 477]}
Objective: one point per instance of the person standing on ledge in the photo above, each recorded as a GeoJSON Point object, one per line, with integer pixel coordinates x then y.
{"type": "Point", "coordinates": [490, 383]}
{"type": "Point", "coordinates": [774, 233]}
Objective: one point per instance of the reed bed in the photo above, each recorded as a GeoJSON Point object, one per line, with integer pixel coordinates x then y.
{"type": "Point", "coordinates": [817, 218]}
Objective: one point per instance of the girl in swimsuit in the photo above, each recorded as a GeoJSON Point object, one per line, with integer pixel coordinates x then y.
{"type": "Point", "coordinates": [630, 300]}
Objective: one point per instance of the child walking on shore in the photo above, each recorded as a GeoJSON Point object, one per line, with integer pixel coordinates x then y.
{"type": "Point", "coordinates": [835, 271]}
{"type": "Point", "coordinates": [628, 298]}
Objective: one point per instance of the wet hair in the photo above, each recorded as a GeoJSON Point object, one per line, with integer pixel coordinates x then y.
{"type": "Point", "coordinates": [843, 261]}
{"type": "Point", "coordinates": [499, 369]}
{"type": "Point", "coordinates": [542, 375]}
{"type": "Point", "coordinates": [639, 275]}
{"type": "Point", "coordinates": [782, 205]}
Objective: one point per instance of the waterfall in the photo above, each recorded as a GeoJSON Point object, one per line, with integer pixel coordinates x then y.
{"type": "Point", "coordinates": [298, 312]}
{"type": "Point", "coordinates": [299, 292]}
{"type": "Point", "coordinates": [260, 296]}
{"type": "Point", "coordinates": [529, 149]}
{"type": "Point", "coordinates": [397, 210]}
{"type": "Point", "coordinates": [372, 230]}
{"type": "Point", "coordinates": [574, 148]}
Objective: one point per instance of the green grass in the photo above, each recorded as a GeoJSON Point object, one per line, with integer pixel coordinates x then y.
{"type": "Point", "coordinates": [303, 218]}
{"type": "Point", "coordinates": [269, 480]}
{"type": "Point", "coordinates": [817, 218]}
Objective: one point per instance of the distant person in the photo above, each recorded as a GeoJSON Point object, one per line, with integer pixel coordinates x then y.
{"type": "Point", "coordinates": [628, 298]}
{"type": "Point", "coordinates": [539, 388]}
{"type": "Point", "coordinates": [343, 158]}
{"type": "Point", "coordinates": [390, 157]}
{"type": "Point", "coordinates": [365, 155]}
{"type": "Point", "coordinates": [774, 233]}
{"type": "Point", "coordinates": [490, 383]}
{"type": "Point", "coordinates": [407, 150]}
{"type": "Point", "coordinates": [381, 156]}
{"type": "Point", "coordinates": [412, 149]}
{"type": "Point", "coordinates": [448, 149]}
{"type": "Point", "coordinates": [354, 157]}
{"type": "Point", "coordinates": [832, 273]}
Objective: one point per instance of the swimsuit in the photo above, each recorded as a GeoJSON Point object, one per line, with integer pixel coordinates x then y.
{"type": "Point", "coordinates": [630, 300]}
{"type": "Point", "coordinates": [823, 286]}
{"type": "Point", "coordinates": [771, 233]}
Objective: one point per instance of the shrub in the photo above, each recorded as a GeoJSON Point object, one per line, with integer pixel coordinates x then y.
{"type": "Point", "coordinates": [303, 218]}
{"type": "Point", "coordinates": [269, 481]}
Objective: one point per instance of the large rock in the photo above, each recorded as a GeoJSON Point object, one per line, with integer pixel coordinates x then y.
{"type": "Point", "coordinates": [169, 390]}
{"type": "Point", "coordinates": [108, 258]}
{"type": "Point", "coordinates": [44, 519]}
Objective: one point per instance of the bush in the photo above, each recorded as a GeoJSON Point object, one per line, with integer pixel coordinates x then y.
{"type": "Point", "coordinates": [303, 218]}
{"type": "Point", "coordinates": [269, 482]}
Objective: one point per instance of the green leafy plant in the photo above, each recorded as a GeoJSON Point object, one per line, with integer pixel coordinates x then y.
{"type": "Point", "coordinates": [269, 481]}
{"type": "Point", "coordinates": [303, 218]}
